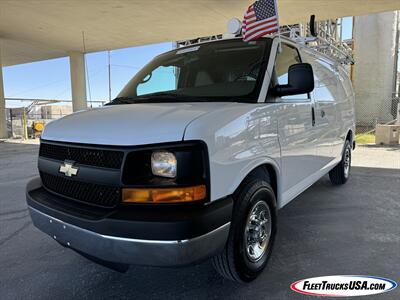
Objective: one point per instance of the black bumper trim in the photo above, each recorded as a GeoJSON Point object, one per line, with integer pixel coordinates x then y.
{"type": "Point", "coordinates": [175, 222]}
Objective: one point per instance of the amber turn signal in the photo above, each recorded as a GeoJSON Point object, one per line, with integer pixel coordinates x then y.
{"type": "Point", "coordinates": [164, 195]}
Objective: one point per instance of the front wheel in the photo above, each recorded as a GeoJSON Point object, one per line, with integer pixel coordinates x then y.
{"type": "Point", "coordinates": [339, 174]}
{"type": "Point", "coordinates": [252, 233]}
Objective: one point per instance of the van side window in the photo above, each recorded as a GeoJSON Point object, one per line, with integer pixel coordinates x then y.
{"type": "Point", "coordinates": [346, 83]}
{"type": "Point", "coordinates": [289, 56]}
{"type": "Point", "coordinates": [325, 81]}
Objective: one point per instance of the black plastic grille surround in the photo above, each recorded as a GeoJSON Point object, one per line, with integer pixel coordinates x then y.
{"type": "Point", "coordinates": [86, 156]}
{"type": "Point", "coordinates": [104, 171]}
{"type": "Point", "coordinates": [101, 195]}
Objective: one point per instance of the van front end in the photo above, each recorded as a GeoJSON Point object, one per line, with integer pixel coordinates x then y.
{"type": "Point", "coordinates": [106, 203]}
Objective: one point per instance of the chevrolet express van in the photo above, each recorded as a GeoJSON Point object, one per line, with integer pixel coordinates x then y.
{"type": "Point", "coordinates": [195, 156]}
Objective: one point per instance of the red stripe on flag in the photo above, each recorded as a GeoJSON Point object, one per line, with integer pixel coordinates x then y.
{"type": "Point", "coordinates": [270, 28]}
{"type": "Point", "coordinates": [254, 24]}
{"type": "Point", "coordinates": [261, 27]}
{"type": "Point", "coordinates": [259, 34]}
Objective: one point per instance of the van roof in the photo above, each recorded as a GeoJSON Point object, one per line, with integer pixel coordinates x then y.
{"type": "Point", "coordinates": [300, 46]}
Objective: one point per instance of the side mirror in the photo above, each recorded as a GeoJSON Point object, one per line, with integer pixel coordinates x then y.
{"type": "Point", "coordinates": [300, 81]}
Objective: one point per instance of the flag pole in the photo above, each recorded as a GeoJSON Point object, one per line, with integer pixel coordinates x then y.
{"type": "Point", "coordinates": [279, 28]}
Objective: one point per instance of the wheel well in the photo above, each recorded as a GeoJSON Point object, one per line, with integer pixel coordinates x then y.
{"type": "Point", "coordinates": [349, 138]}
{"type": "Point", "coordinates": [265, 172]}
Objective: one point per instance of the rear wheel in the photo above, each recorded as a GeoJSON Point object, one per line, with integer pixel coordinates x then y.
{"type": "Point", "coordinates": [252, 233]}
{"type": "Point", "coordinates": [340, 173]}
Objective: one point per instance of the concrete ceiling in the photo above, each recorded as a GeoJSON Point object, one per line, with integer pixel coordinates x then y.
{"type": "Point", "coordinates": [32, 30]}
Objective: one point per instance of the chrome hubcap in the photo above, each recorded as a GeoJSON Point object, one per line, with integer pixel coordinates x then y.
{"type": "Point", "coordinates": [258, 231]}
{"type": "Point", "coordinates": [347, 162]}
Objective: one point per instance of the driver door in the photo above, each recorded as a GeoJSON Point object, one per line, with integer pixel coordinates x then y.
{"type": "Point", "coordinates": [296, 129]}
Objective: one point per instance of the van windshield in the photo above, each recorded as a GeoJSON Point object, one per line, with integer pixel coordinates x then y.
{"type": "Point", "coordinates": [229, 70]}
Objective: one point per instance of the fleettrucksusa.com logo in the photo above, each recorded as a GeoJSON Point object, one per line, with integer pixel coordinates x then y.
{"type": "Point", "coordinates": [343, 286]}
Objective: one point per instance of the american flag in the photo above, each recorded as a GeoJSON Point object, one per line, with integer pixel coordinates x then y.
{"type": "Point", "coordinates": [261, 18]}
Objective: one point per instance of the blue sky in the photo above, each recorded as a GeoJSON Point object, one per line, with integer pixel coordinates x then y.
{"type": "Point", "coordinates": [50, 79]}
{"type": "Point", "coordinates": [347, 28]}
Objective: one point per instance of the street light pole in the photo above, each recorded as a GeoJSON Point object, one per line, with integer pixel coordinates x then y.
{"type": "Point", "coordinates": [109, 76]}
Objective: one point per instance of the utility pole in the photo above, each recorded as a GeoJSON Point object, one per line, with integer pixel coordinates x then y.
{"type": "Point", "coordinates": [109, 76]}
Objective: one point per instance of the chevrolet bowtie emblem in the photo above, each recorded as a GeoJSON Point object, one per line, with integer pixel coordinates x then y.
{"type": "Point", "coordinates": [68, 170]}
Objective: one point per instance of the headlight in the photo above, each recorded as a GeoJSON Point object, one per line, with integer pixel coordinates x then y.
{"type": "Point", "coordinates": [166, 173]}
{"type": "Point", "coordinates": [163, 163]}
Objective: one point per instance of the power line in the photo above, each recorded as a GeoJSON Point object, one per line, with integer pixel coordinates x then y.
{"type": "Point", "coordinates": [127, 66]}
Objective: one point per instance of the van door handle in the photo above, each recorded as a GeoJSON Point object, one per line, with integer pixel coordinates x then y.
{"type": "Point", "coordinates": [313, 116]}
{"type": "Point", "coordinates": [322, 113]}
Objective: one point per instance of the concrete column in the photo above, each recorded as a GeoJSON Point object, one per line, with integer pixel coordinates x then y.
{"type": "Point", "coordinates": [373, 80]}
{"type": "Point", "coordinates": [78, 80]}
{"type": "Point", "coordinates": [3, 120]}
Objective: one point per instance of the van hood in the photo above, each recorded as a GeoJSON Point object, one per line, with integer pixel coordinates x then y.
{"type": "Point", "coordinates": [128, 124]}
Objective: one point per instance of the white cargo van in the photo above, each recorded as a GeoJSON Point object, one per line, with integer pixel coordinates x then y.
{"type": "Point", "coordinates": [195, 156]}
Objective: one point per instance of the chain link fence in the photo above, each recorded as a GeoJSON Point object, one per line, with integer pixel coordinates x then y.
{"type": "Point", "coordinates": [24, 123]}
{"type": "Point", "coordinates": [28, 121]}
{"type": "Point", "coordinates": [382, 111]}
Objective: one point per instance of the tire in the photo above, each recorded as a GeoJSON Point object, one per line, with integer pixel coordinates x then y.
{"type": "Point", "coordinates": [341, 173]}
{"type": "Point", "coordinates": [255, 207]}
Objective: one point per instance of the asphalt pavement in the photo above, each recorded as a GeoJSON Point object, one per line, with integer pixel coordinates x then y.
{"type": "Point", "coordinates": [350, 229]}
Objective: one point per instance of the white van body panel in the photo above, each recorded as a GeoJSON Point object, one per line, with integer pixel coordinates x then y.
{"type": "Point", "coordinates": [336, 102]}
{"type": "Point", "coordinates": [128, 125]}
{"type": "Point", "coordinates": [243, 136]}
{"type": "Point", "coordinates": [238, 138]}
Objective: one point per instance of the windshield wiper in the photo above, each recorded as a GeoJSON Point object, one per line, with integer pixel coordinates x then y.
{"type": "Point", "coordinates": [165, 97]}
{"type": "Point", "coordinates": [121, 100]}
{"type": "Point", "coordinates": [156, 97]}
{"type": "Point", "coordinates": [136, 99]}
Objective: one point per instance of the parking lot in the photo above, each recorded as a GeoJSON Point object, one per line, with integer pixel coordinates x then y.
{"type": "Point", "coordinates": [351, 229]}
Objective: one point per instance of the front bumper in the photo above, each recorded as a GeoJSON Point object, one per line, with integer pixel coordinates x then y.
{"type": "Point", "coordinates": [98, 236]}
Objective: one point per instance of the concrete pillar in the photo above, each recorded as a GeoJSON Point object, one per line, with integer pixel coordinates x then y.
{"type": "Point", "coordinates": [373, 80]}
{"type": "Point", "coordinates": [78, 80]}
{"type": "Point", "coordinates": [3, 120]}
